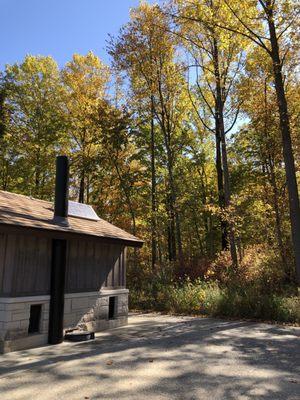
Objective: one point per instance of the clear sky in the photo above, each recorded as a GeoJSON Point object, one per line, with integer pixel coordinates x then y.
{"type": "Point", "coordinates": [58, 27]}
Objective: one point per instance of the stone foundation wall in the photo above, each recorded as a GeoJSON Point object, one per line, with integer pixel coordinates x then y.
{"type": "Point", "coordinates": [89, 311]}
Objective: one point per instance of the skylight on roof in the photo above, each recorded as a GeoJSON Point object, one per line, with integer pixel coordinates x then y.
{"type": "Point", "coordinates": [80, 210]}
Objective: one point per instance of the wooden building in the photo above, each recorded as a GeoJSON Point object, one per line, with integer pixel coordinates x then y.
{"type": "Point", "coordinates": [58, 272]}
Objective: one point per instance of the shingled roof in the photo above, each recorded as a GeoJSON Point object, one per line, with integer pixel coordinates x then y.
{"type": "Point", "coordinates": [23, 211]}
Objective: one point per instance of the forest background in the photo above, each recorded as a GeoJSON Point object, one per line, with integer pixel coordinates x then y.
{"type": "Point", "coordinates": [190, 140]}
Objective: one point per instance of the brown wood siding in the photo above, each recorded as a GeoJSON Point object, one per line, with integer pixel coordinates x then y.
{"type": "Point", "coordinates": [2, 258]}
{"type": "Point", "coordinates": [92, 265]}
{"type": "Point", "coordinates": [25, 265]}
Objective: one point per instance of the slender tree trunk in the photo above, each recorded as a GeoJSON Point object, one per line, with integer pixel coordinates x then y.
{"type": "Point", "coordinates": [81, 187]}
{"type": "Point", "coordinates": [288, 155]}
{"type": "Point", "coordinates": [211, 236]}
{"type": "Point", "coordinates": [179, 244]}
{"type": "Point", "coordinates": [173, 213]}
{"type": "Point", "coordinates": [197, 232]}
{"type": "Point", "coordinates": [88, 187]}
{"type": "Point", "coordinates": [160, 251]}
{"type": "Point", "coordinates": [2, 113]}
{"type": "Point", "coordinates": [224, 224]}
{"type": "Point", "coordinates": [278, 220]}
{"type": "Point", "coordinates": [203, 181]}
{"type": "Point", "coordinates": [171, 229]}
{"type": "Point", "coordinates": [203, 196]}
{"type": "Point", "coordinates": [153, 192]}
{"type": "Point", "coordinates": [165, 125]}
{"type": "Point", "coordinates": [220, 117]}
{"type": "Point", "coordinates": [37, 174]}
{"type": "Point", "coordinates": [127, 196]}
{"type": "Point", "coordinates": [269, 171]}
{"type": "Point", "coordinates": [171, 197]}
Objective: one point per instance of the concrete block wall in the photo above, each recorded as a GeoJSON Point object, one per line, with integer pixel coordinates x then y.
{"type": "Point", "coordinates": [88, 311]}
{"type": "Point", "coordinates": [14, 316]}
{"type": "Point", "coordinates": [14, 323]}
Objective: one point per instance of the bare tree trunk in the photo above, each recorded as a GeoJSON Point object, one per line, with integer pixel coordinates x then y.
{"type": "Point", "coordinates": [2, 112]}
{"type": "Point", "coordinates": [175, 225]}
{"type": "Point", "coordinates": [197, 232]}
{"type": "Point", "coordinates": [220, 117]}
{"type": "Point", "coordinates": [171, 229]}
{"type": "Point", "coordinates": [153, 192]}
{"type": "Point", "coordinates": [278, 220]}
{"type": "Point", "coordinates": [88, 187]}
{"type": "Point", "coordinates": [81, 187]}
{"type": "Point", "coordinates": [288, 155]}
{"type": "Point", "coordinates": [166, 129]}
{"type": "Point", "coordinates": [179, 243]}
{"type": "Point", "coordinates": [269, 170]}
{"type": "Point", "coordinates": [37, 174]}
{"type": "Point", "coordinates": [211, 236]}
{"type": "Point", "coordinates": [224, 224]}
{"type": "Point", "coordinates": [128, 198]}
{"type": "Point", "coordinates": [171, 198]}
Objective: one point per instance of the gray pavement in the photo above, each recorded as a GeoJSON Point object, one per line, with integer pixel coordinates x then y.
{"type": "Point", "coordinates": [162, 357]}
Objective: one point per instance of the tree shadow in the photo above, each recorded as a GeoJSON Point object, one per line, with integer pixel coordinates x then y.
{"type": "Point", "coordinates": [163, 357]}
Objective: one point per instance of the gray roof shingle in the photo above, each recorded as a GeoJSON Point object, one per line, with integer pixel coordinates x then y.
{"type": "Point", "coordinates": [24, 211]}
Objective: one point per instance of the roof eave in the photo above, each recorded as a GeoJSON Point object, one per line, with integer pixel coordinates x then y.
{"type": "Point", "coordinates": [65, 234]}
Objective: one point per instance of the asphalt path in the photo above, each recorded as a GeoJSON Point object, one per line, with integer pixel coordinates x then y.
{"type": "Point", "coordinates": [162, 357]}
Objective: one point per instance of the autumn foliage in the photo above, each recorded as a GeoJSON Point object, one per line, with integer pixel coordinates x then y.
{"type": "Point", "coordinates": [189, 140]}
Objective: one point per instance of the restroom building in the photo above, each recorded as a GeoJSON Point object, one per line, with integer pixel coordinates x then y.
{"type": "Point", "coordinates": [61, 267]}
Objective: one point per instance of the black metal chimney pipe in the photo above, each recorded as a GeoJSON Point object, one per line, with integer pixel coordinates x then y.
{"type": "Point", "coordinates": [59, 253]}
{"type": "Point", "coordinates": [61, 190]}
{"type": "Point", "coordinates": [57, 291]}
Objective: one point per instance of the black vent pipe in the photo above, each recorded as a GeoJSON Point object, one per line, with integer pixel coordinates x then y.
{"type": "Point", "coordinates": [59, 253]}
{"type": "Point", "coordinates": [57, 291]}
{"type": "Point", "coordinates": [61, 190]}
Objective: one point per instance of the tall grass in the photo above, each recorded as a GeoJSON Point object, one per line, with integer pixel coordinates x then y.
{"type": "Point", "coordinates": [261, 288]}
{"type": "Point", "coordinates": [201, 297]}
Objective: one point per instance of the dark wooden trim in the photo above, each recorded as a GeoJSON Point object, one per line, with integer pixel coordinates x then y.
{"type": "Point", "coordinates": [52, 234]}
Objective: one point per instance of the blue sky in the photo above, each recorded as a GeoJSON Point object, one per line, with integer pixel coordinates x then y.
{"type": "Point", "coordinates": [58, 27]}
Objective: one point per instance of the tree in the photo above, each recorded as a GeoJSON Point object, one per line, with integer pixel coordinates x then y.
{"type": "Point", "coordinates": [85, 81]}
{"type": "Point", "coordinates": [146, 51]}
{"type": "Point", "coordinates": [263, 143]}
{"type": "Point", "coordinates": [34, 129]}
{"type": "Point", "coordinates": [6, 153]}
{"type": "Point", "coordinates": [278, 17]}
{"type": "Point", "coordinates": [266, 23]}
{"type": "Point", "coordinates": [218, 56]}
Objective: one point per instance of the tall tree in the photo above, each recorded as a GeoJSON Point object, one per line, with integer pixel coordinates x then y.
{"type": "Point", "coordinates": [146, 51]}
{"type": "Point", "coordinates": [36, 121]}
{"type": "Point", "coordinates": [266, 23]}
{"type": "Point", "coordinates": [278, 18]}
{"type": "Point", "coordinates": [263, 138]}
{"type": "Point", "coordinates": [85, 80]}
{"type": "Point", "coordinates": [218, 57]}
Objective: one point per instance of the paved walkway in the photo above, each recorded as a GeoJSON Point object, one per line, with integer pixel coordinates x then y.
{"type": "Point", "coordinates": [162, 357]}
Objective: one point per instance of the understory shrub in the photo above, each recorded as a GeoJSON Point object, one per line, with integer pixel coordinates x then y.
{"type": "Point", "coordinates": [259, 288]}
{"type": "Point", "coordinates": [250, 304]}
{"type": "Point", "coordinates": [260, 266]}
{"type": "Point", "coordinates": [209, 298]}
